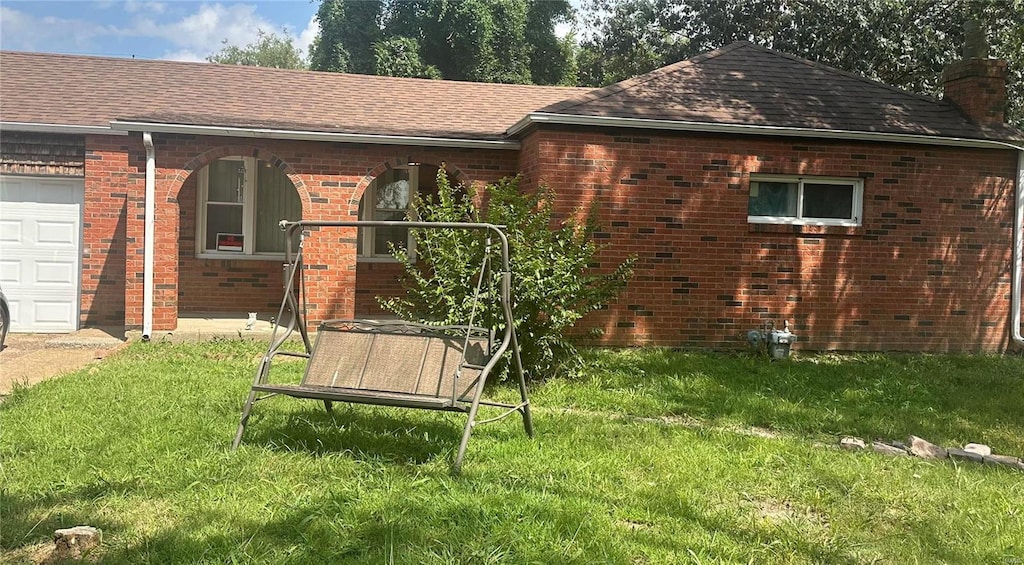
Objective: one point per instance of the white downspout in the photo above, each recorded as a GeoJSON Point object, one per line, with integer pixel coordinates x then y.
{"type": "Point", "coordinates": [150, 219]}
{"type": "Point", "coordinates": [1018, 253]}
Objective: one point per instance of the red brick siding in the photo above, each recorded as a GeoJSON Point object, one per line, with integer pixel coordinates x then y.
{"type": "Point", "coordinates": [929, 269]}
{"type": "Point", "coordinates": [112, 169]}
{"type": "Point", "coordinates": [330, 179]}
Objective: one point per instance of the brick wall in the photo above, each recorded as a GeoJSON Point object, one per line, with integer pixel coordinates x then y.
{"type": "Point", "coordinates": [329, 178]}
{"type": "Point", "coordinates": [929, 269]}
{"type": "Point", "coordinates": [114, 168]}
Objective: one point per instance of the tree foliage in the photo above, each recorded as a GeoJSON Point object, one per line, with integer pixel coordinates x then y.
{"type": "Point", "coordinates": [553, 285]}
{"type": "Point", "coordinates": [269, 50]}
{"type": "Point", "coordinates": [505, 41]}
{"type": "Point", "coordinates": [905, 43]}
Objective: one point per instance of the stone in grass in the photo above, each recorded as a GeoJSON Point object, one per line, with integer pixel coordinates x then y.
{"type": "Point", "coordinates": [1005, 461]}
{"type": "Point", "coordinates": [851, 443]}
{"type": "Point", "coordinates": [925, 449]}
{"type": "Point", "coordinates": [979, 448]}
{"type": "Point", "coordinates": [73, 543]}
{"type": "Point", "coordinates": [962, 455]}
{"type": "Point", "coordinates": [887, 449]}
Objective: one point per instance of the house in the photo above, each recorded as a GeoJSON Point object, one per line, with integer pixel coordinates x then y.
{"type": "Point", "coordinates": [751, 186]}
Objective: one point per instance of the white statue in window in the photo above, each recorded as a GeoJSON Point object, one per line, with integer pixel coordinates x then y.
{"type": "Point", "coordinates": [393, 196]}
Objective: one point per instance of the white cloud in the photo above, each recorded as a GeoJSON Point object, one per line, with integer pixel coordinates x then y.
{"type": "Point", "coordinates": [24, 32]}
{"type": "Point", "coordinates": [305, 39]}
{"type": "Point", "coordinates": [136, 6]}
{"type": "Point", "coordinates": [207, 30]}
{"type": "Point", "coordinates": [184, 55]}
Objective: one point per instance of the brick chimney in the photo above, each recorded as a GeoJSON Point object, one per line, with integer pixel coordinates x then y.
{"type": "Point", "coordinates": [977, 84]}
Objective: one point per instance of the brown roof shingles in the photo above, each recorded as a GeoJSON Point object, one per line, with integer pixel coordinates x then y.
{"type": "Point", "coordinates": [746, 84]}
{"type": "Point", "coordinates": [93, 91]}
{"type": "Point", "coordinates": [737, 84]}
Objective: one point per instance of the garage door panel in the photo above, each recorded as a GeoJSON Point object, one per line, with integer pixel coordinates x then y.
{"type": "Point", "coordinates": [54, 314]}
{"type": "Point", "coordinates": [10, 273]}
{"type": "Point", "coordinates": [40, 233]}
{"type": "Point", "coordinates": [55, 273]}
{"type": "Point", "coordinates": [58, 233]}
{"type": "Point", "coordinates": [11, 231]}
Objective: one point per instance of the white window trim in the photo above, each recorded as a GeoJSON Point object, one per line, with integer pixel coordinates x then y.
{"type": "Point", "coordinates": [367, 234]}
{"type": "Point", "coordinates": [248, 216]}
{"type": "Point", "coordinates": [857, 208]}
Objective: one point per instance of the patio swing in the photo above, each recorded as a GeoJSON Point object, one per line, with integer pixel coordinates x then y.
{"type": "Point", "coordinates": [395, 362]}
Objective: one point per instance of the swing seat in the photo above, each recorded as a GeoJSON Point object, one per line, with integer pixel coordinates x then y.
{"type": "Point", "coordinates": [395, 363]}
{"type": "Point", "coordinates": [402, 364]}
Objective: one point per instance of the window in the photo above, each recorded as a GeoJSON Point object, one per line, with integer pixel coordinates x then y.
{"type": "Point", "coordinates": [805, 200]}
{"type": "Point", "coordinates": [241, 202]}
{"type": "Point", "coordinates": [387, 199]}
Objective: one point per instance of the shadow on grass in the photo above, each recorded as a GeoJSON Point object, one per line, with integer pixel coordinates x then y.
{"type": "Point", "coordinates": [943, 398]}
{"type": "Point", "coordinates": [367, 433]}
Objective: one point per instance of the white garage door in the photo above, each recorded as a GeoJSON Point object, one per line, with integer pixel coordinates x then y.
{"type": "Point", "coordinates": [40, 251]}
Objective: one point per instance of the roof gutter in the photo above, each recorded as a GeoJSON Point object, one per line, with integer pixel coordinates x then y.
{"type": "Point", "coordinates": [705, 127]}
{"type": "Point", "coordinates": [299, 135]}
{"type": "Point", "coordinates": [58, 128]}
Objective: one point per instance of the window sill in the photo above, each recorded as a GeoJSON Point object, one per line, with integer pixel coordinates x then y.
{"type": "Point", "coordinates": [240, 257]}
{"type": "Point", "coordinates": [805, 229]}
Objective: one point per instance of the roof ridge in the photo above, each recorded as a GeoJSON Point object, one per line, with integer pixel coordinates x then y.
{"type": "Point", "coordinates": [617, 87]}
{"type": "Point", "coordinates": [254, 69]}
{"type": "Point", "coordinates": [848, 74]}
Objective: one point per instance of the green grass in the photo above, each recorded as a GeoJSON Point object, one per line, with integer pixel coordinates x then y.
{"type": "Point", "coordinates": [139, 446]}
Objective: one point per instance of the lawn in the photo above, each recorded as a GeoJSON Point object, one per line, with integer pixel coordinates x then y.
{"type": "Point", "coordinates": [652, 457]}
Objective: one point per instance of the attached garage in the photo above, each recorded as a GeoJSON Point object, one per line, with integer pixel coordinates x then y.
{"type": "Point", "coordinates": [41, 250]}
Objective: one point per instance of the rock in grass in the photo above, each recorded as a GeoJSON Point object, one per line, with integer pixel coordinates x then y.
{"type": "Point", "coordinates": [961, 455]}
{"type": "Point", "coordinates": [1004, 461]}
{"type": "Point", "coordinates": [887, 449]}
{"type": "Point", "coordinates": [979, 448]}
{"type": "Point", "coordinates": [925, 449]}
{"type": "Point", "coordinates": [852, 443]}
{"type": "Point", "coordinates": [72, 543]}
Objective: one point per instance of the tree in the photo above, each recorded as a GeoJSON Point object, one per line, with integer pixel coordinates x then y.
{"type": "Point", "coordinates": [868, 37]}
{"type": "Point", "coordinates": [348, 30]}
{"type": "Point", "coordinates": [506, 41]}
{"type": "Point", "coordinates": [552, 283]}
{"type": "Point", "coordinates": [269, 50]}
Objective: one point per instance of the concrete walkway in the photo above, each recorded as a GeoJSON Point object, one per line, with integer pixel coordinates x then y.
{"type": "Point", "coordinates": [31, 358]}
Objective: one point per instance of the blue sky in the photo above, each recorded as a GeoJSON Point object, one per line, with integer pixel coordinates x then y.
{"type": "Point", "coordinates": [182, 30]}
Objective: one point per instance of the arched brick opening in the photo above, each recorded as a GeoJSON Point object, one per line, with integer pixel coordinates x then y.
{"type": "Point", "coordinates": [380, 276]}
{"type": "Point", "coordinates": [195, 283]}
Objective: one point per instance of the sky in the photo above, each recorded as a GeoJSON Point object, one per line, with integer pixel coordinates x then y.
{"type": "Point", "coordinates": [180, 30]}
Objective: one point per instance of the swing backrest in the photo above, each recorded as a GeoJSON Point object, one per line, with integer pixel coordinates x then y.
{"type": "Point", "coordinates": [399, 358]}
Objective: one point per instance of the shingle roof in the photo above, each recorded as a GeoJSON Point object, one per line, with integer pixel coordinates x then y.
{"type": "Point", "coordinates": [746, 84]}
{"type": "Point", "coordinates": [92, 91]}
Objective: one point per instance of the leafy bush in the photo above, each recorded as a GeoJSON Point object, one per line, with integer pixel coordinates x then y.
{"type": "Point", "coordinates": [552, 286]}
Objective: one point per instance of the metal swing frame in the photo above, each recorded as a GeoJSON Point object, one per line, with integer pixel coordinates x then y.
{"type": "Point", "coordinates": [395, 362]}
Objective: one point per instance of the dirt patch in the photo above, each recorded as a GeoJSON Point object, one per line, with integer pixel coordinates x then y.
{"type": "Point", "coordinates": [28, 359]}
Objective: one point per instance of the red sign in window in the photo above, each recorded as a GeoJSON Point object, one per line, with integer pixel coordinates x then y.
{"type": "Point", "coordinates": [230, 242]}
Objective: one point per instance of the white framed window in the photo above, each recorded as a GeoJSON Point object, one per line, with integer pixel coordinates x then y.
{"type": "Point", "coordinates": [387, 198]}
{"type": "Point", "coordinates": [818, 201]}
{"type": "Point", "coordinates": [241, 201]}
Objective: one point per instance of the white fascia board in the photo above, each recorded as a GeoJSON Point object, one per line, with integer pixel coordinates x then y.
{"type": "Point", "coordinates": [298, 135]}
{"type": "Point", "coordinates": [58, 128]}
{"type": "Point", "coordinates": [704, 127]}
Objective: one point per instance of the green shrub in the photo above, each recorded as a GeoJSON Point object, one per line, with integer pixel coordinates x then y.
{"type": "Point", "coordinates": [552, 286]}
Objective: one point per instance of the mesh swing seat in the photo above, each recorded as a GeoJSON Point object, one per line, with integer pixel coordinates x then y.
{"type": "Point", "coordinates": [395, 363]}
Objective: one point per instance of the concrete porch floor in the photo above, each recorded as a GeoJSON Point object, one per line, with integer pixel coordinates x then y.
{"type": "Point", "coordinates": [202, 326]}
